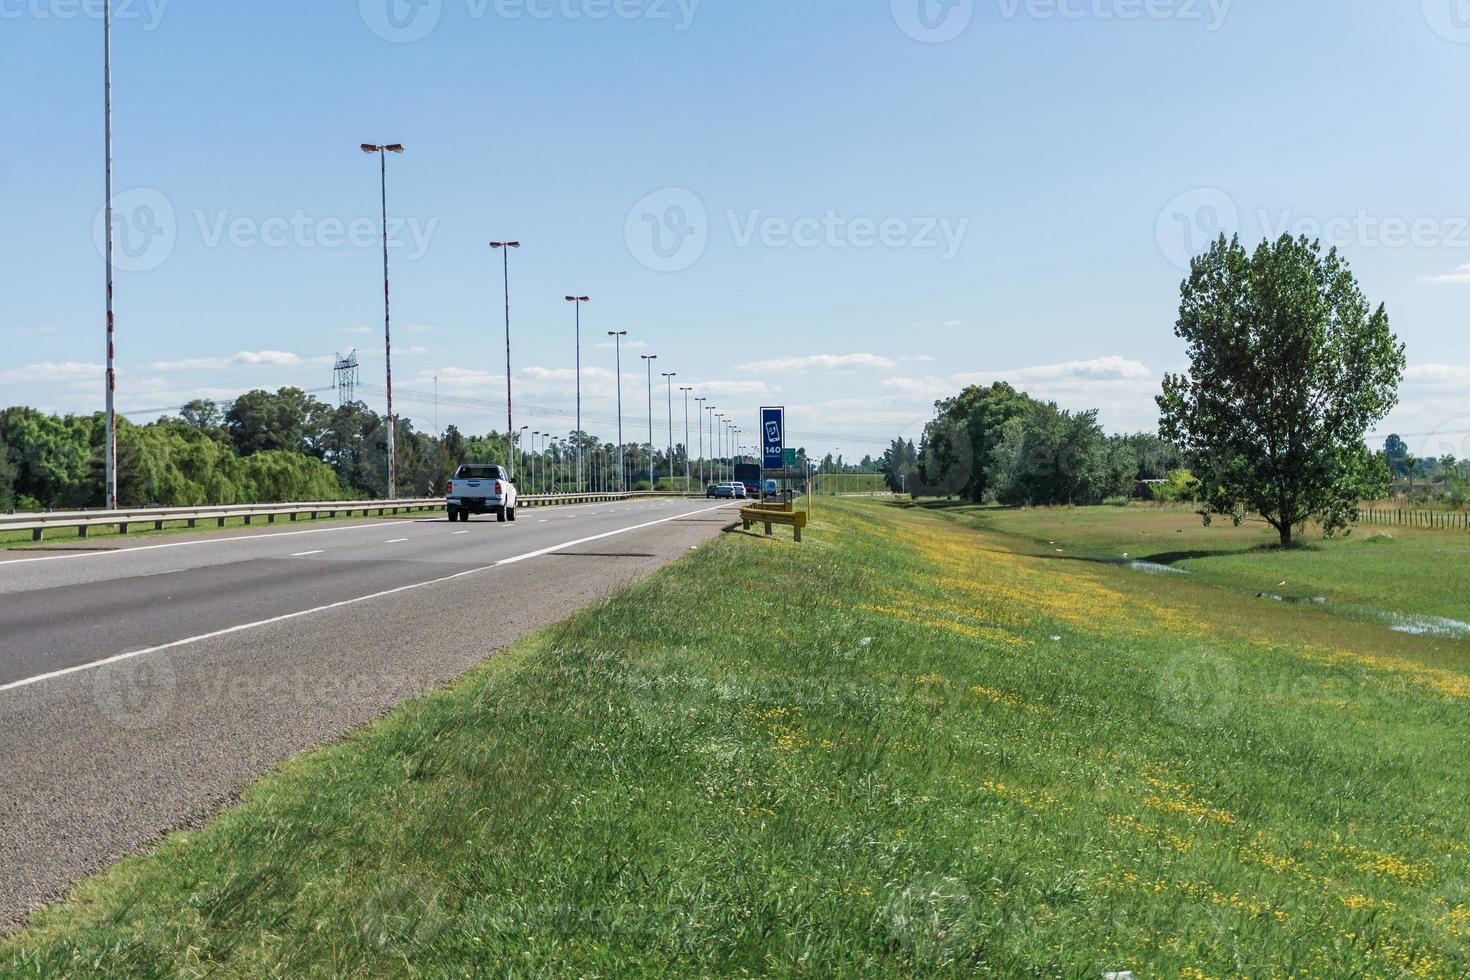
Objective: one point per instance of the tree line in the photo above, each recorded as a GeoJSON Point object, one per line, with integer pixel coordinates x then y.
{"type": "Point", "coordinates": [1290, 366]}
{"type": "Point", "coordinates": [270, 447]}
{"type": "Point", "coordinates": [997, 444]}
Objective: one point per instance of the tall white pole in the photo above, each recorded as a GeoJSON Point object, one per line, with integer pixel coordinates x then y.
{"type": "Point", "coordinates": [110, 475]}
{"type": "Point", "coordinates": [388, 336]}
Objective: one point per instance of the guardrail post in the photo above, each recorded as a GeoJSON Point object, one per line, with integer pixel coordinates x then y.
{"type": "Point", "coordinates": [192, 523]}
{"type": "Point", "coordinates": [122, 527]}
{"type": "Point", "coordinates": [248, 519]}
{"type": "Point", "coordinates": [158, 525]}
{"type": "Point", "coordinates": [270, 518]}
{"type": "Point", "coordinates": [36, 534]}
{"type": "Point", "coordinates": [82, 531]}
{"type": "Point", "coordinates": [294, 515]}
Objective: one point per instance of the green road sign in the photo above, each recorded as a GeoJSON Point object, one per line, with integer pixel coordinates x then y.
{"type": "Point", "coordinates": [789, 458]}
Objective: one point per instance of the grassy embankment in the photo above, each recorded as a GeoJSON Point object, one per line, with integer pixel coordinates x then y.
{"type": "Point", "coordinates": [906, 746]}
{"type": "Point", "coordinates": [1401, 576]}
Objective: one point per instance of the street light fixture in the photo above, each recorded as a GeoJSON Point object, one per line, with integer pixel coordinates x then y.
{"type": "Point", "coordinates": [618, 336]}
{"type": "Point", "coordinates": [504, 249]}
{"type": "Point", "coordinates": [382, 150]}
{"type": "Point", "coordinates": [579, 300]}
{"type": "Point", "coordinates": [648, 360]}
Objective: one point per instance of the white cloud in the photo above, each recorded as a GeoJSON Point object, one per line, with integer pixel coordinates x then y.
{"type": "Point", "coordinates": [1438, 374]}
{"type": "Point", "coordinates": [245, 358]}
{"type": "Point", "coordinates": [356, 330]}
{"type": "Point", "coordinates": [36, 328]}
{"type": "Point", "coordinates": [1111, 368]}
{"type": "Point", "coordinates": [48, 372]}
{"type": "Point", "coordinates": [819, 362]}
{"type": "Point", "coordinates": [954, 323]}
{"type": "Point", "coordinates": [931, 388]}
{"type": "Point", "coordinates": [1460, 275]}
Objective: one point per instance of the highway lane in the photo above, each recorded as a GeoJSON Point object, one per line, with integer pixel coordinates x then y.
{"type": "Point", "coordinates": [142, 688]}
{"type": "Point", "coordinates": [62, 611]}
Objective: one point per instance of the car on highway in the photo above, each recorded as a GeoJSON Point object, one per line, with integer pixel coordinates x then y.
{"type": "Point", "coordinates": [725, 491]}
{"type": "Point", "coordinates": [479, 488]}
{"type": "Point", "coordinates": [772, 489]}
{"type": "Point", "coordinates": [709, 491]}
{"type": "Point", "coordinates": [741, 492]}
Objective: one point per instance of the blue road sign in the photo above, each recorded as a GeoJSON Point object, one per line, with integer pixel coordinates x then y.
{"type": "Point", "coordinates": [773, 437]}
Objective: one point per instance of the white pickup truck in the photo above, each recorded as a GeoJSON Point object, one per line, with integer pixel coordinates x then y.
{"type": "Point", "coordinates": [481, 489]}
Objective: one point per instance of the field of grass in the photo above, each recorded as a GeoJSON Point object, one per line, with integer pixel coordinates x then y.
{"type": "Point", "coordinates": [836, 484]}
{"type": "Point", "coordinates": [905, 746]}
{"type": "Point", "coordinates": [1410, 577]}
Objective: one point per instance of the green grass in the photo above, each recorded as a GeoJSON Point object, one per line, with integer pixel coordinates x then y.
{"type": "Point", "coordinates": [837, 484]}
{"type": "Point", "coordinates": [69, 537]}
{"type": "Point", "coordinates": [903, 747]}
{"type": "Point", "coordinates": [1374, 573]}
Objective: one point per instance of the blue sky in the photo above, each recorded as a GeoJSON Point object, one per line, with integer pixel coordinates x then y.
{"type": "Point", "coordinates": [849, 208]}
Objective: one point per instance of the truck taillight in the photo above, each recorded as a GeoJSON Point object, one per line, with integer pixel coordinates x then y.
{"type": "Point", "coordinates": [499, 488]}
{"type": "Point", "coordinates": [449, 488]}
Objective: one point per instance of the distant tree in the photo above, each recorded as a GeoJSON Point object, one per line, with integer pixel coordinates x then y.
{"type": "Point", "coordinates": [1289, 367]}
{"type": "Point", "coordinates": [206, 416]}
{"type": "Point", "coordinates": [1397, 451]}
{"type": "Point", "coordinates": [898, 465]}
{"type": "Point", "coordinates": [289, 420]}
{"type": "Point", "coordinates": [8, 473]}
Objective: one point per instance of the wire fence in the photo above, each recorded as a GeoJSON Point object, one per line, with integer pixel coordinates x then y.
{"type": "Point", "coordinates": [1438, 520]}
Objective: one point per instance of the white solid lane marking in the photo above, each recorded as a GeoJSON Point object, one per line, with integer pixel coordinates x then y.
{"type": "Point", "coordinates": [307, 554]}
{"type": "Point", "coordinates": [396, 541]}
{"type": "Point", "coordinates": [457, 533]}
{"type": "Point", "coordinates": [188, 641]}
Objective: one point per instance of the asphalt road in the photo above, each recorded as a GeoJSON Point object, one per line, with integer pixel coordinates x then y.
{"type": "Point", "coordinates": [144, 686]}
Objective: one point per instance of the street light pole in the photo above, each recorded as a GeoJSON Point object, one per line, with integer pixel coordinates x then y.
{"type": "Point", "coordinates": [720, 448]}
{"type": "Point", "coordinates": [700, 407]}
{"type": "Point", "coordinates": [669, 377]}
{"type": "Point", "coordinates": [687, 471]}
{"type": "Point", "coordinates": [110, 464]}
{"type": "Point", "coordinates": [519, 438]}
{"type": "Point", "coordinates": [579, 300]}
{"type": "Point", "coordinates": [618, 336]}
{"type": "Point", "coordinates": [648, 360]}
{"type": "Point", "coordinates": [504, 249]}
{"type": "Point", "coordinates": [535, 436]}
{"type": "Point", "coordinates": [382, 151]}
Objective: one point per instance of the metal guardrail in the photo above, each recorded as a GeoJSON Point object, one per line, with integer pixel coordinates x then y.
{"type": "Point", "coordinates": [83, 520]}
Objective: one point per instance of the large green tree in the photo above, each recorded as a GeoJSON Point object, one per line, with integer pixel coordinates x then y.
{"type": "Point", "coordinates": [1289, 367]}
